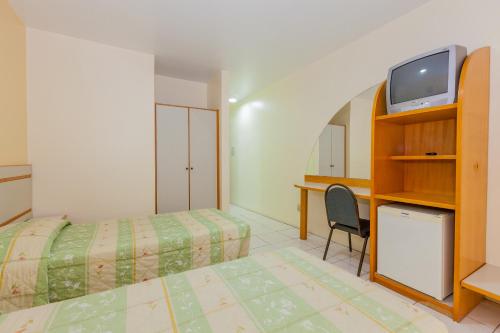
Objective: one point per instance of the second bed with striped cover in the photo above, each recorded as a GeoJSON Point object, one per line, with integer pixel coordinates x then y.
{"type": "Point", "coordinates": [88, 258]}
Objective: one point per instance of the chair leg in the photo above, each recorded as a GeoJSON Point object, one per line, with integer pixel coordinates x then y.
{"type": "Point", "coordinates": [350, 244]}
{"type": "Point", "coordinates": [362, 256]}
{"type": "Point", "coordinates": [328, 244]}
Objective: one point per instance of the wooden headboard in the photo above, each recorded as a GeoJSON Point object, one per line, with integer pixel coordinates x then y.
{"type": "Point", "coordinates": [15, 193]}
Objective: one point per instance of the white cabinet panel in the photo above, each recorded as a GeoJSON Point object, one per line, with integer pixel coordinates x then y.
{"type": "Point", "coordinates": [332, 151]}
{"type": "Point", "coordinates": [325, 151]}
{"type": "Point", "coordinates": [203, 146]}
{"type": "Point", "coordinates": [338, 151]}
{"type": "Point", "coordinates": [186, 158]}
{"type": "Point", "coordinates": [172, 159]}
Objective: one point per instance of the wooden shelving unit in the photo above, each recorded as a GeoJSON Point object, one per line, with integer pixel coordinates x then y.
{"type": "Point", "coordinates": [453, 179]}
{"type": "Point", "coordinates": [485, 281]}
{"type": "Point", "coordinates": [422, 157]}
{"type": "Point", "coordinates": [442, 112]}
{"type": "Point", "coordinates": [445, 201]}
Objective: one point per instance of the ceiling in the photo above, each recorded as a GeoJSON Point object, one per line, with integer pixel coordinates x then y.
{"type": "Point", "coordinates": [258, 41]}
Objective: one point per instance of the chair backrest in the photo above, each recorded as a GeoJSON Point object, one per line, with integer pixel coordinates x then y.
{"type": "Point", "coordinates": [341, 206]}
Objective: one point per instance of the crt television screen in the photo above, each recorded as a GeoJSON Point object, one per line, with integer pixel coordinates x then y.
{"type": "Point", "coordinates": [421, 78]}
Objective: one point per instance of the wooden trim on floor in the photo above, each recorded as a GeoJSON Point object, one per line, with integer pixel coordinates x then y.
{"type": "Point", "coordinates": [355, 182]}
{"type": "Point", "coordinates": [414, 294]}
{"type": "Point", "coordinates": [14, 178]}
{"type": "Point", "coordinates": [12, 219]}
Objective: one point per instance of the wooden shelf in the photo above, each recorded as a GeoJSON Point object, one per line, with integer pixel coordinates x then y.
{"type": "Point", "coordinates": [445, 201]}
{"type": "Point", "coordinates": [423, 157]}
{"type": "Point", "coordinates": [402, 173]}
{"type": "Point", "coordinates": [485, 281]}
{"type": "Point", "coordinates": [435, 113]}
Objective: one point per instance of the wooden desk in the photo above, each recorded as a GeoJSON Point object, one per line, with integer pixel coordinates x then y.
{"type": "Point", "coordinates": [360, 187]}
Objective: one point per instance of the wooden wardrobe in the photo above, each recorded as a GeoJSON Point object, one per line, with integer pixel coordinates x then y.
{"type": "Point", "coordinates": [187, 164]}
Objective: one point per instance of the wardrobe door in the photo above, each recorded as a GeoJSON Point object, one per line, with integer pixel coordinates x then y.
{"type": "Point", "coordinates": [203, 148]}
{"type": "Point", "coordinates": [325, 151]}
{"type": "Point", "coordinates": [338, 151]}
{"type": "Point", "coordinates": [172, 159]}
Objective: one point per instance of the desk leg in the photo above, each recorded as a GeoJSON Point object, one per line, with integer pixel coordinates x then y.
{"type": "Point", "coordinates": [303, 213]}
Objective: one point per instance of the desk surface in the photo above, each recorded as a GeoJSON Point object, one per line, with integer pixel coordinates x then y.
{"type": "Point", "coordinates": [359, 192]}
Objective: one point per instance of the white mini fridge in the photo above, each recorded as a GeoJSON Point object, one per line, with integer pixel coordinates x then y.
{"type": "Point", "coordinates": [415, 247]}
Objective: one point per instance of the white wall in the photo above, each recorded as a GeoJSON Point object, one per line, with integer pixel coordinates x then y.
{"type": "Point", "coordinates": [356, 115]}
{"type": "Point", "coordinates": [360, 137]}
{"type": "Point", "coordinates": [278, 126]}
{"type": "Point", "coordinates": [217, 98]}
{"type": "Point", "coordinates": [343, 117]}
{"type": "Point", "coordinates": [90, 128]}
{"type": "Point", "coordinates": [174, 91]}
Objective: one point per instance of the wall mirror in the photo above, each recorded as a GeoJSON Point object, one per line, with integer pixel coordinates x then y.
{"type": "Point", "coordinates": [343, 148]}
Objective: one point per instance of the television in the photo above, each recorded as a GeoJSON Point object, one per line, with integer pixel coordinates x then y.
{"type": "Point", "coordinates": [429, 79]}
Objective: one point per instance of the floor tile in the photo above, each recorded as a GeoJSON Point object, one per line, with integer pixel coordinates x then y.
{"type": "Point", "coordinates": [274, 238]}
{"type": "Point", "coordinates": [291, 233]}
{"type": "Point", "coordinates": [335, 259]}
{"type": "Point", "coordinates": [256, 241]}
{"type": "Point", "coordinates": [258, 230]}
{"type": "Point", "coordinates": [467, 325]}
{"type": "Point", "coordinates": [316, 241]}
{"type": "Point", "coordinates": [354, 261]}
{"type": "Point", "coordinates": [262, 249]}
{"type": "Point", "coordinates": [345, 266]}
{"type": "Point", "coordinates": [338, 252]}
{"type": "Point", "coordinates": [487, 313]}
{"type": "Point", "coordinates": [269, 235]}
{"type": "Point", "coordinates": [301, 244]}
{"type": "Point", "coordinates": [276, 226]}
{"type": "Point", "coordinates": [316, 252]}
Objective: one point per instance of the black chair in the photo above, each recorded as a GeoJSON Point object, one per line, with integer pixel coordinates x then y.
{"type": "Point", "coordinates": [342, 214]}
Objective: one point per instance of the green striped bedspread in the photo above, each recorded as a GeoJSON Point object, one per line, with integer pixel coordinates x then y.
{"type": "Point", "coordinates": [88, 258]}
{"type": "Point", "coordinates": [283, 291]}
{"type": "Point", "coordinates": [24, 252]}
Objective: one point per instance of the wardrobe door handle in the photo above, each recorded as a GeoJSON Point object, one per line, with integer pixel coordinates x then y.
{"type": "Point", "coordinates": [192, 168]}
{"type": "Point", "coordinates": [187, 168]}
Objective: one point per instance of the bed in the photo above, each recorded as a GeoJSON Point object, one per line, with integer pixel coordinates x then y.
{"type": "Point", "coordinates": [88, 258]}
{"type": "Point", "coordinates": [282, 291]}
{"type": "Point", "coordinates": [48, 259]}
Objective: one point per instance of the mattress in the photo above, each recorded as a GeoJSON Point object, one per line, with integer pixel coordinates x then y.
{"type": "Point", "coordinates": [88, 258]}
{"type": "Point", "coordinates": [282, 291]}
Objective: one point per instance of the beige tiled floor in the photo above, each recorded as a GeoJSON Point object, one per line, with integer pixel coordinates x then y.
{"type": "Point", "coordinates": [269, 234]}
